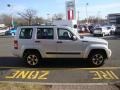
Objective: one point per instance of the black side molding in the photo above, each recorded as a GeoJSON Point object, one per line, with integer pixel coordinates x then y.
{"type": "Point", "coordinates": [84, 41]}
{"type": "Point", "coordinates": [63, 53]}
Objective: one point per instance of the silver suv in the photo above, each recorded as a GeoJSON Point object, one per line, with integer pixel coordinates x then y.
{"type": "Point", "coordinates": [33, 43]}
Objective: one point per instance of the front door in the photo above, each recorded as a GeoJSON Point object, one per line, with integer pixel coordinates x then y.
{"type": "Point", "coordinates": [66, 46]}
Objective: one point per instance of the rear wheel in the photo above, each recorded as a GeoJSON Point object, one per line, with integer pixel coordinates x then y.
{"type": "Point", "coordinates": [97, 58]}
{"type": "Point", "coordinates": [32, 59]}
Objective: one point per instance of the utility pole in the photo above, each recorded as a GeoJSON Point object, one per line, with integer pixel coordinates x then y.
{"type": "Point", "coordinates": [74, 9]}
{"type": "Point", "coordinates": [78, 15]}
{"type": "Point", "coordinates": [11, 8]}
{"type": "Point", "coordinates": [86, 6]}
{"type": "Point", "coordinates": [98, 17]}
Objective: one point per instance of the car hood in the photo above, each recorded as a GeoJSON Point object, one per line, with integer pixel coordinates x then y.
{"type": "Point", "coordinates": [94, 40]}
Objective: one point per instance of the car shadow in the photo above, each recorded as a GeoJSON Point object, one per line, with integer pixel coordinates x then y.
{"type": "Point", "coordinates": [45, 63]}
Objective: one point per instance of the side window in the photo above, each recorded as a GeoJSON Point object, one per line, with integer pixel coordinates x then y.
{"type": "Point", "coordinates": [45, 33]}
{"type": "Point", "coordinates": [26, 33]}
{"type": "Point", "coordinates": [64, 34]}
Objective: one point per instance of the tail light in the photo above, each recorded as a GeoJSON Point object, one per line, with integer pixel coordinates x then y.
{"type": "Point", "coordinates": [15, 44]}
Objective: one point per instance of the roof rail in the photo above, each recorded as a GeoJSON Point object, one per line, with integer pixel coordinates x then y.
{"type": "Point", "coordinates": [39, 25]}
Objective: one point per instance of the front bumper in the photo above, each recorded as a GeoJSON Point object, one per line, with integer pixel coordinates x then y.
{"type": "Point", "coordinates": [109, 53]}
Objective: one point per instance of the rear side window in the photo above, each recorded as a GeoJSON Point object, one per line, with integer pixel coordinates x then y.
{"type": "Point", "coordinates": [45, 33]}
{"type": "Point", "coordinates": [26, 33]}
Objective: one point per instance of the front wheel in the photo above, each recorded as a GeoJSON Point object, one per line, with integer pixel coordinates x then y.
{"type": "Point", "coordinates": [97, 59]}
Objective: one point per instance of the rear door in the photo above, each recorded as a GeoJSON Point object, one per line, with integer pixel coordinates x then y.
{"type": "Point", "coordinates": [45, 42]}
{"type": "Point", "coordinates": [25, 38]}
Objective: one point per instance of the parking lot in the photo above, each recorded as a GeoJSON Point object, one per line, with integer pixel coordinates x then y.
{"type": "Point", "coordinates": [59, 71]}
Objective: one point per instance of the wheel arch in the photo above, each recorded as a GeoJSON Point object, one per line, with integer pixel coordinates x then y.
{"type": "Point", "coordinates": [97, 50]}
{"type": "Point", "coordinates": [95, 47]}
{"type": "Point", "coordinates": [31, 50]}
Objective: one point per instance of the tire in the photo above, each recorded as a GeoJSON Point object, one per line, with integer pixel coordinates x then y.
{"type": "Point", "coordinates": [32, 59]}
{"type": "Point", "coordinates": [97, 58]}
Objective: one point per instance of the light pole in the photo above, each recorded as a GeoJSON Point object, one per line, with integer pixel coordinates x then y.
{"type": "Point", "coordinates": [78, 15]}
{"type": "Point", "coordinates": [78, 19]}
{"type": "Point", "coordinates": [86, 7]}
{"type": "Point", "coordinates": [98, 16]}
{"type": "Point", "coordinates": [11, 8]}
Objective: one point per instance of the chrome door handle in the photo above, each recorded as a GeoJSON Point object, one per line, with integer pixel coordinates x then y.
{"type": "Point", "coordinates": [59, 42]}
{"type": "Point", "coordinates": [37, 41]}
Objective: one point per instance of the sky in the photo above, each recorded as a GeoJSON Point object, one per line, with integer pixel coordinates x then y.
{"type": "Point", "coordinates": [98, 8]}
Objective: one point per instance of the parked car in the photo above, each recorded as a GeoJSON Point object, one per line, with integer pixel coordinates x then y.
{"type": "Point", "coordinates": [117, 31]}
{"type": "Point", "coordinates": [83, 29]}
{"type": "Point", "coordinates": [33, 43]}
{"type": "Point", "coordinates": [11, 32]}
{"type": "Point", "coordinates": [112, 28]}
{"type": "Point", "coordinates": [91, 28]}
{"type": "Point", "coordinates": [102, 31]}
{"type": "Point", "coordinates": [3, 30]}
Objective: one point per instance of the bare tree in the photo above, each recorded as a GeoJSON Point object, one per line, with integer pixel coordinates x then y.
{"type": "Point", "coordinates": [28, 15]}
{"type": "Point", "coordinates": [5, 19]}
{"type": "Point", "coordinates": [20, 21]}
{"type": "Point", "coordinates": [94, 20]}
{"type": "Point", "coordinates": [38, 20]}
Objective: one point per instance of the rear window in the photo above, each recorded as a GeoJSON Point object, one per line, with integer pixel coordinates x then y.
{"type": "Point", "coordinates": [26, 33]}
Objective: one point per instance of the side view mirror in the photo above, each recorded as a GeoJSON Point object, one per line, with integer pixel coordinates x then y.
{"type": "Point", "coordinates": [74, 38]}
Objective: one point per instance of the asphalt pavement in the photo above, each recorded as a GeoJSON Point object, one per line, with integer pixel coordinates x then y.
{"type": "Point", "coordinates": [59, 71]}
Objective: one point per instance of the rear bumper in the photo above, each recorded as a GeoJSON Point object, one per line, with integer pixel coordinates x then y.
{"type": "Point", "coordinates": [16, 53]}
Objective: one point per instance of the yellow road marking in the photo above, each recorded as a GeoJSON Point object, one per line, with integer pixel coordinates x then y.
{"type": "Point", "coordinates": [13, 75]}
{"type": "Point", "coordinates": [44, 74]}
{"type": "Point", "coordinates": [107, 74]}
{"type": "Point", "coordinates": [22, 74]}
{"type": "Point", "coordinates": [17, 74]}
{"type": "Point", "coordinates": [96, 75]}
{"type": "Point", "coordinates": [111, 76]}
{"type": "Point", "coordinates": [114, 75]}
